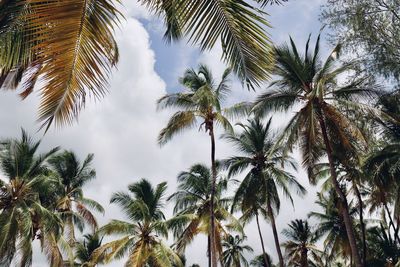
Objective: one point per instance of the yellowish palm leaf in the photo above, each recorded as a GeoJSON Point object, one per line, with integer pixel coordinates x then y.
{"type": "Point", "coordinates": [77, 49]}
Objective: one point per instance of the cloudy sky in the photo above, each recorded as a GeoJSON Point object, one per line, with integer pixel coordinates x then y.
{"type": "Point", "coordinates": [121, 129]}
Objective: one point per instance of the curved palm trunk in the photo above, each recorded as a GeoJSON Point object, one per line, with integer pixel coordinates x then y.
{"type": "Point", "coordinates": [262, 242]}
{"type": "Point", "coordinates": [345, 211]}
{"type": "Point", "coordinates": [213, 250]}
{"type": "Point", "coordinates": [363, 235]}
{"type": "Point", "coordinates": [276, 239]}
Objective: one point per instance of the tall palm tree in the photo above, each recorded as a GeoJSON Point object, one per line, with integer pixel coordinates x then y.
{"type": "Point", "coordinates": [24, 213]}
{"type": "Point", "coordinates": [72, 46]}
{"type": "Point", "coordinates": [141, 237]}
{"type": "Point", "coordinates": [71, 203]}
{"type": "Point", "coordinates": [192, 209]}
{"type": "Point", "coordinates": [301, 242]}
{"type": "Point", "coordinates": [322, 122]}
{"type": "Point", "coordinates": [233, 254]}
{"type": "Point", "coordinates": [201, 102]}
{"type": "Point", "coordinates": [258, 192]}
{"type": "Point", "coordinates": [331, 225]}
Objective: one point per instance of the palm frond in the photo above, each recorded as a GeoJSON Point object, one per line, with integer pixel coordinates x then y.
{"type": "Point", "coordinates": [76, 45]}
{"type": "Point", "coordinates": [178, 122]}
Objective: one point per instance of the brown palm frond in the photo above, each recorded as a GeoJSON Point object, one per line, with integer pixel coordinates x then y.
{"type": "Point", "coordinates": [87, 215]}
{"type": "Point", "coordinates": [75, 44]}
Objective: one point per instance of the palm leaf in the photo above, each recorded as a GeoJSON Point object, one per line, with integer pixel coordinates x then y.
{"type": "Point", "coordinates": [236, 24]}
{"type": "Point", "coordinates": [75, 43]}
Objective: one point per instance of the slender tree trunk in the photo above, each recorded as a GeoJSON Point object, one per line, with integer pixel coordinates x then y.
{"type": "Point", "coordinates": [304, 257]}
{"type": "Point", "coordinates": [396, 231]}
{"type": "Point", "coordinates": [345, 210]}
{"type": "Point", "coordinates": [276, 239]}
{"type": "Point", "coordinates": [209, 250]}
{"type": "Point", "coordinates": [71, 233]}
{"type": "Point", "coordinates": [361, 211]}
{"type": "Point", "coordinates": [266, 263]}
{"type": "Point", "coordinates": [391, 222]}
{"type": "Point", "coordinates": [213, 251]}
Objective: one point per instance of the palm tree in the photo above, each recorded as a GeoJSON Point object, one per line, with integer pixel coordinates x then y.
{"type": "Point", "coordinates": [383, 248]}
{"type": "Point", "coordinates": [85, 249]}
{"type": "Point", "coordinates": [383, 164]}
{"type": "Point", "coordinates": [301, 242]}
{"type": "Point", "coordinates": [259, 261]}
{"type": "Point", "coordinates": [322, 121]}
{"type": "Point", "coordinates": [192, 209]}
{"type": "Point", "coordinates": [258, 192]}
{"type": "Point", "coordinates": [72, 46]}
{"type": "Point", "coordinates": [24, 213]}
{"type": "Point", "coordinates": [141, 240]}
{"type": "Point", "coordinates": [233, 254]}
{"type": "Point", "coordinates": [71, 203]}
{"type": "Point", "coordinates": [331, 224]}
{"type": "Point", "coordinates": [202, 101]}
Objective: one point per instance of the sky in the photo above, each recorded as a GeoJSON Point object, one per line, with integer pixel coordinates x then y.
{"type": "Point", "coordinates": [121, 129]}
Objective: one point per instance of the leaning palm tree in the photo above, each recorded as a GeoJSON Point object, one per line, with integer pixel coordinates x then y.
{"type": "Point", "coordinates": [71, 44]}
{"type": "Point", "coordinates": [305, 81]}
{"type": "Point", "coordinates": [233, 254]}
{"type": "Point", "coordinates": [201, 103]}
{"type": "Point", "coordinates": [25, 203]}
{"type": "Point", "coordinates": [301, 243]}
{"type": "Point", "coordinates": [192, 209]}
{"type": "Point", "coordinates": [141, 237]}
{"type": "Point", "coordinates": [73, 207]}
{"type": "Point", "coordinates": [258, 192]}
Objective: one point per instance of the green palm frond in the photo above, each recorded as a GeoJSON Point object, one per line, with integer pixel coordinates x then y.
{"type": "Point", "coordinates": [179, 121]}
{"type": "Point", "coordinates": [236, 24]}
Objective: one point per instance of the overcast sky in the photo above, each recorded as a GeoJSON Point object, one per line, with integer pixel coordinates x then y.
{"type": "Point", "coordinates": [121, 129]}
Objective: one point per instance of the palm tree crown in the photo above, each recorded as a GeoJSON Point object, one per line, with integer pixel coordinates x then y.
{"type": "Point", "coordinates": [233, 254]}
{"type": "Point", "coordinates": [24, 213]}
{"type": "Point", "coordinates": [202, 100]}
{"type": "Point", "coordinates": [143, 206]}
{"type": "Point", "coordinates": [192, 208]}
{"type": "Point", "coordinates": [301, 242]}
{"type": "Point", "coordinates": [71, 203]}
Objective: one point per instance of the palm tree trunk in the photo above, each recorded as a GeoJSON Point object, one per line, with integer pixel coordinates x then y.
{"type": "Point", "coordinates": [345, 210]}
{"type": "Point", "coordinates": [209, 250]}
{"type": "Point", "coordinates": [213, 250]}
{"type": "Point", "coordinates": [391, 222]}
{"type": "Point", "coordinates": [396, 231]}
{"type": "Point", "coordinates": [262, 243]}
{"type": "Point", "coordinates": [276, 239]}
{"type": "Point", "coordinates": [363, 235]}
{"type": "Point", "coordinates": [71, 233]}
{"type": "Point", "coordinates": [304, 257]}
